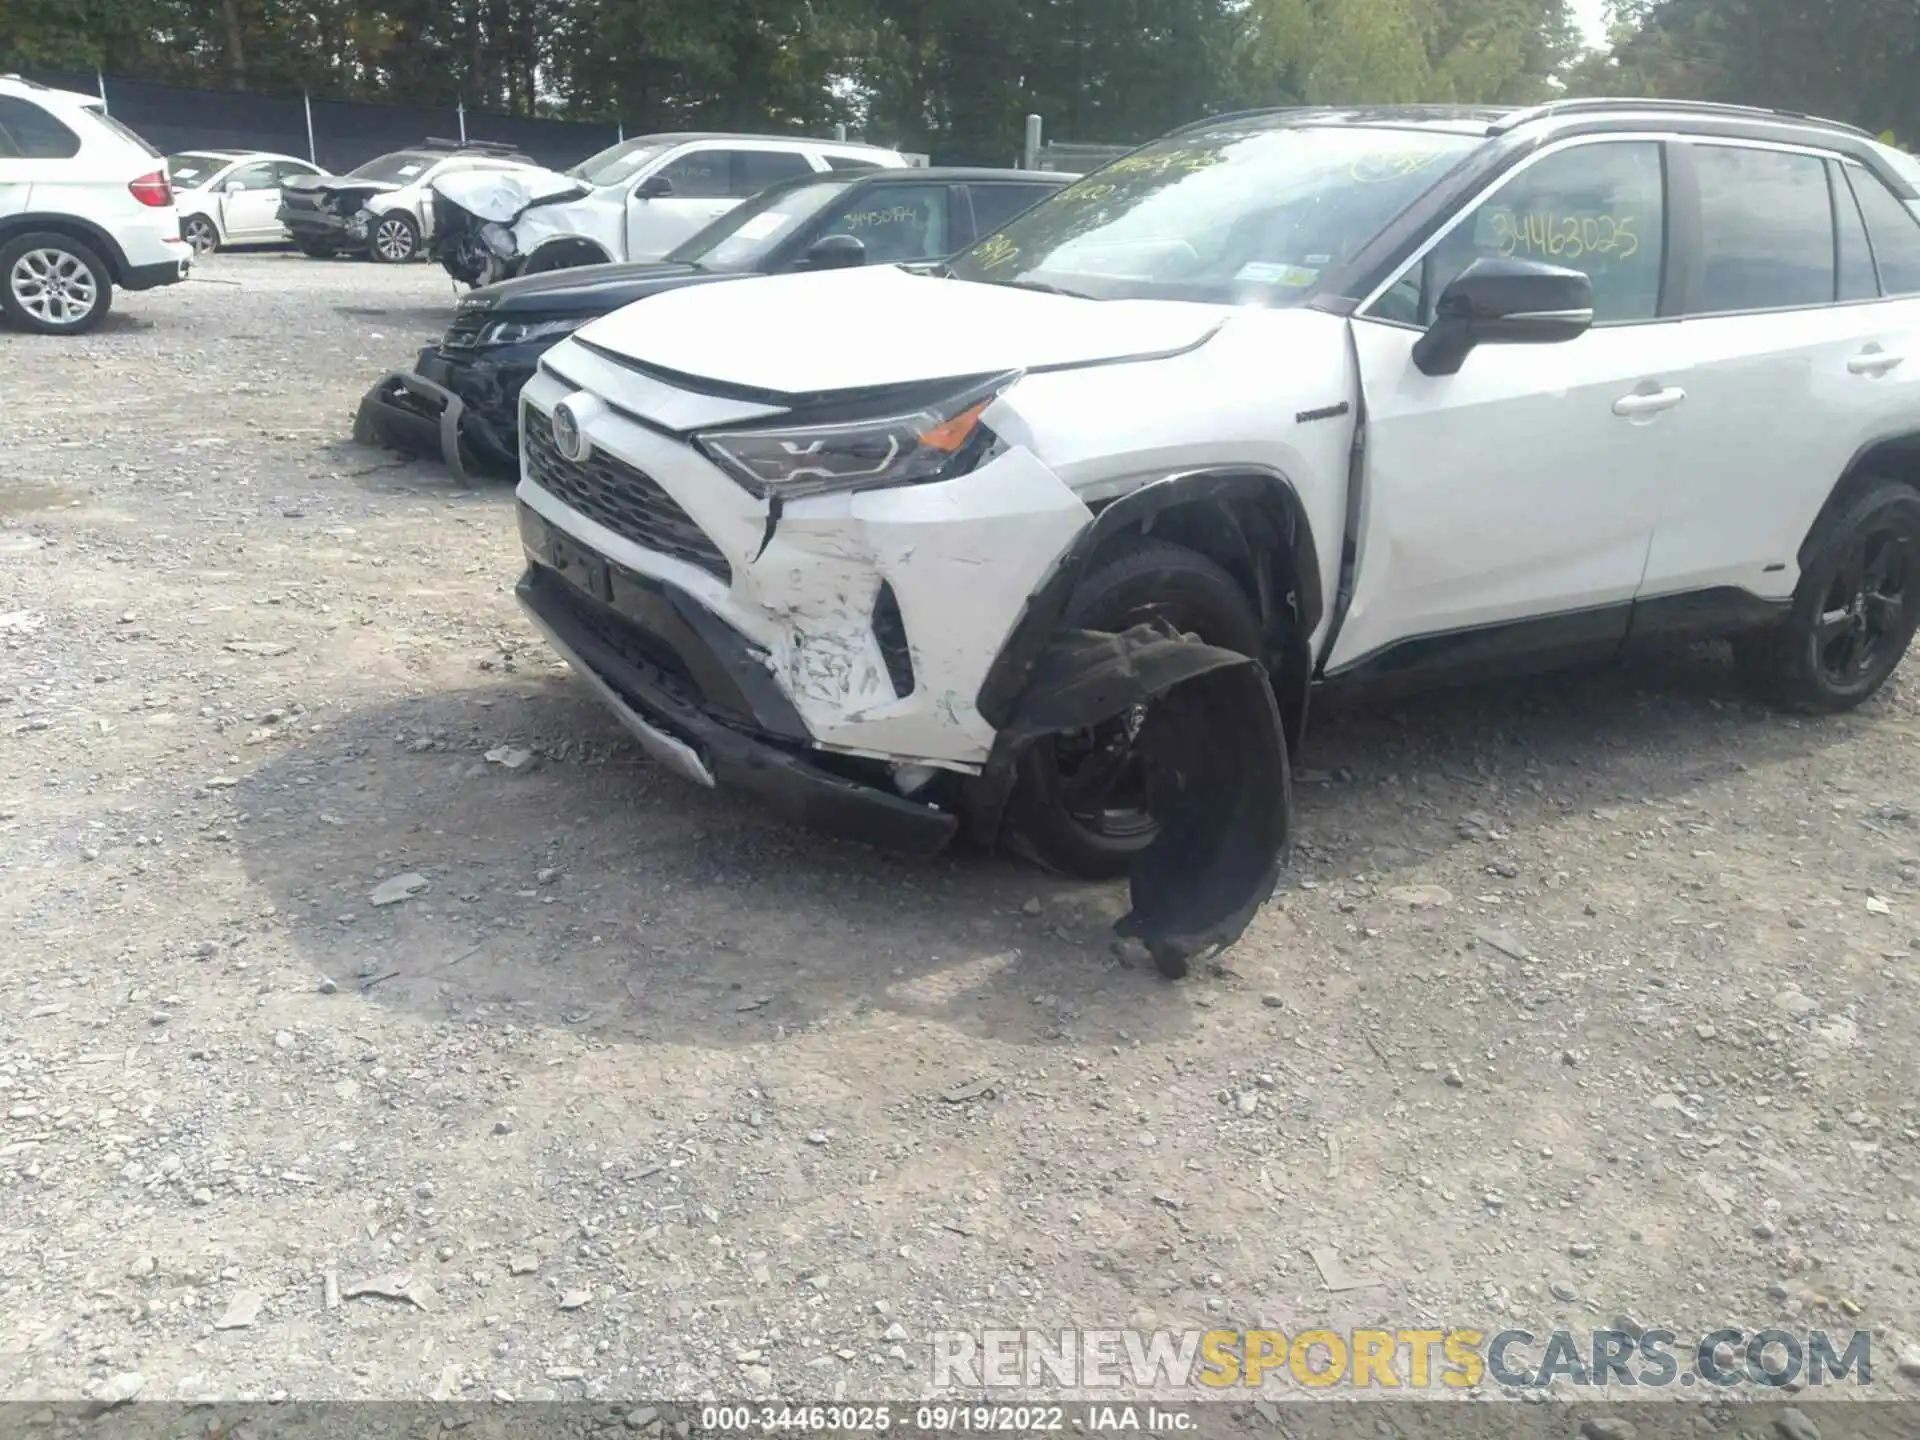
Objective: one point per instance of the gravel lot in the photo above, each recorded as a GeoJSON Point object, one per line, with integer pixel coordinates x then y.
{"type": "Point", "coordinates": [1585, 997]}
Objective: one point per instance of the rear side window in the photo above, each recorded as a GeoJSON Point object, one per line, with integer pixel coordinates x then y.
{"type": "Point", "coordinates": [1857, 281]}
{"type": "Point", "coordinates": [994, 205]}
{"type": "Point", "coordinates": [132, 137]}
{"type": "Point", "coordinates": [1893, 231]}
{"type": "Point", "coordinates": [29, 133]}
{"type": "Point", "coordinates": [849, 162]}
{"type": "Point", "coordinates": [284, 170]}
{"type": "Point", "coordinates": [1766, 230]}
{"type": "Point", "coordinates": [754, 170]}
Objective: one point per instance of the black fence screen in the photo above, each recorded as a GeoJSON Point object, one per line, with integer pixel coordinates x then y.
{"type": "Point", "coordinates": [344, 134]}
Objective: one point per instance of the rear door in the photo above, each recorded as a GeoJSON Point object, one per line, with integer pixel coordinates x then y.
{"type": "Point", "coordinates": [36, 147]}
{"type": "Point", "coordinates": [1803, 343]}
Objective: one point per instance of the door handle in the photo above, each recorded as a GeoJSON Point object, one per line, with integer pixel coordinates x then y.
{"type": "Point", "coordinates": [1649, 402]}
{"type": "Point", "coordinates": [1873, 362]}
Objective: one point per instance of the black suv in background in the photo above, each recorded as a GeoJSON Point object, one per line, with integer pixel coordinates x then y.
{"type": "Point", "coordinates": [461, 397]}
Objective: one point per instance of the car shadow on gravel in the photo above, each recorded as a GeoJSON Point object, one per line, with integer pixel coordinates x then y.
{"type": "Point", "coordinates": [584, 887]}
{"type": "Point", "coordinates": [574, 884]}
{"type": "Point", "coordinates": [1385, 787]}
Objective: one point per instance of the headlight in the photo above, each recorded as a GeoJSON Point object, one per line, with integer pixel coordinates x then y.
{"type": "Point", "coordinates": [513, 332]}
{"type": "Point", "coordinates": [935, 442]}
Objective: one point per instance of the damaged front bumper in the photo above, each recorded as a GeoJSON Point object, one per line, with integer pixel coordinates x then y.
{"type": "Point", "coordinates": [671, 674]}
{"type": "Point", "coordinates": [464, 413]}
{"type": "Point", "coordinates": [699, 698]}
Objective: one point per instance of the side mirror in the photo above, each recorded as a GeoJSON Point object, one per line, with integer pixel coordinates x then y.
{"type": "Point", "coordinates": [1504, 302]}
{"type": "Point", "coordinates": [654, 187]}
{"type": "Point", "coordinates": [231, 187]}
{"type": "Point", "coordinates": [835, 252]}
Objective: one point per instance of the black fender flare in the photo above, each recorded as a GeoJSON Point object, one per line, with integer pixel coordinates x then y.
{"type": "Point", "coordinates": [1007, 678]}
{"type": "Point", "coordinates": [103, 244]}
{"type": "Point", "coordinates": [1857, 470]}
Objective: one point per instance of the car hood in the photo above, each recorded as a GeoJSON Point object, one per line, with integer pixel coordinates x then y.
{"type": "Point", "coordinates": [590, 289]}
{"type": "Point", "coordinates": [849, 329]}
{"type": "Point", "coordinates": [503, 196]}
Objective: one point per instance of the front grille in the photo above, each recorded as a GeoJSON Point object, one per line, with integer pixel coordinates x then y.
{"type": "Point", "coordinates": [625, 500]}
{"type": "Point", "coordinates": [301, 199]}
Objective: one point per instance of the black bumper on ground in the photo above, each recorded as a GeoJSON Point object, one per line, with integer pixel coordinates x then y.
{"type": "Point", "coordinates": [464, 413]}
{"type": "Point", "coordinates": [698, 696]}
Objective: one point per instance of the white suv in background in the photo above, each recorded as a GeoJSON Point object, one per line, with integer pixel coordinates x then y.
{"type": "Point", "coordinates": [85, 205]}
{"type": "Point", "coordinates": [638, 199]}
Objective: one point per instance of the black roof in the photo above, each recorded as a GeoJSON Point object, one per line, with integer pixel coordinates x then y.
{"type": "Point", "coordinates": [1491, 120]}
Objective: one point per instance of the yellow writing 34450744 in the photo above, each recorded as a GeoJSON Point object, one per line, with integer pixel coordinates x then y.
{"type": "Point", "coordinates": [1531, 234]}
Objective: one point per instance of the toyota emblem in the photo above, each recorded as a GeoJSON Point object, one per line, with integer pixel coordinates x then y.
{"type": "Point", "coordinates": [567, 438]}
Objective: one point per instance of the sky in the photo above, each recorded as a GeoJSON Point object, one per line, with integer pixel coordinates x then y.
{"type": "Point", "coordinates": [1591, 17]}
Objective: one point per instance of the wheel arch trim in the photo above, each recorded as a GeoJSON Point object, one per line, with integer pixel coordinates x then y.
{"type": "Point", "coordinates": [1223, 485]}
{"type": "Point", "coordinates": [74, 227]}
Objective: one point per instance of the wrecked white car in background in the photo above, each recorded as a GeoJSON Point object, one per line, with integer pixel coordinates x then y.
{"type": "Point", "coordinates": [384, 208]}
{"type": "Point", "coordinates": [633, 201]}
{"type": "Point", "coordinates": [1064, 533]}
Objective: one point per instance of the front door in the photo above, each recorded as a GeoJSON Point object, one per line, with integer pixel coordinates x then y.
{"type": "Point", "coordinates": [250, 203]}
{"type": "Point", "coordinates": [1508, 508]}
{"type": "Point", "coordinates": [702, 191]}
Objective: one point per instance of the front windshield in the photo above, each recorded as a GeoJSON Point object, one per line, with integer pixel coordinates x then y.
{"type": "Point", "coordinates": [742, 238]}
{"type": "Point", "coordinates": [395, 169]}
{"type": "Point", "coordinates": [1244, 213]}
{"type": "Point", "coordinates": [189, 172]}
{"type": "Point", "coordinates": [617, 164]}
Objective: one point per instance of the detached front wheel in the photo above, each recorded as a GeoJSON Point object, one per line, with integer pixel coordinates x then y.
{"type": "Point", "coordinates": [1853, 613]}
{"type": "Point", "coordinates": [1080, 803]}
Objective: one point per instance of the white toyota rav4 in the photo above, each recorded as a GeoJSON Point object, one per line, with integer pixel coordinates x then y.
{"type": "Point", "coordinates": [1058, 538]}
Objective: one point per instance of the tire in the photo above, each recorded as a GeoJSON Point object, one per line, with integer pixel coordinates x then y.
{"type": "Point", "coordinates": [317, 249]}
{"type": "Point", "coordinates": [200, 232]}
{"type": "Point", "coordinates": [393, 238]}
{"type": "Point", "coordinates": [53, 284]}
{"type": "Point", "coordinates": [1853, 612]}
{"type": "Point", "coordinates": [1060, 830]}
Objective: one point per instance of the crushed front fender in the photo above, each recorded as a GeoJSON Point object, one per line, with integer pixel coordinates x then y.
{"type": "Point", "coordinates": [1219, 783]}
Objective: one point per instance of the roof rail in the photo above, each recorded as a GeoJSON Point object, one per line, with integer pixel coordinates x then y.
{"type": "Point", "coordinates": [1597, 104]}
